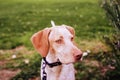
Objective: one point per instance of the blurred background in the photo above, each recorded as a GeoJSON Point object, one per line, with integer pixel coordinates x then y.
{"type": "Point", "coordinates": [97, 26]}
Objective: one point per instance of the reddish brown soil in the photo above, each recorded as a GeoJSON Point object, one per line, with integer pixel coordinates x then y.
{"type": "Point", "coordinates": [7, 74]}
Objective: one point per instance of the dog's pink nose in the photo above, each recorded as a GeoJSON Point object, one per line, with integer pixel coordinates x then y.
{"type": "Point", "coordinates": [77, 54]}
{"type": "Point", "coordinates": [78, 57]}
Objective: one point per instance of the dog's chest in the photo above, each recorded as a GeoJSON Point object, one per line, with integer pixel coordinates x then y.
{"type": "Point", "coordinates": [63, 72]}
{"type": "Point", "coordinates": [67, 72]}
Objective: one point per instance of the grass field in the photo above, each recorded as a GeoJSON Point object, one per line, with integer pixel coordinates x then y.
{"type": "Point", "coordinates": [19, 19]}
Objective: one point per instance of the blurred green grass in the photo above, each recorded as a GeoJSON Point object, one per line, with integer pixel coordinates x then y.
{"type": "Point", "coordinates": [19, 19]}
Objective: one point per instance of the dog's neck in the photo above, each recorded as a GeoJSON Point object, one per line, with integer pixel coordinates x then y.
{"type": "Point", "coordinates": [61, 72]}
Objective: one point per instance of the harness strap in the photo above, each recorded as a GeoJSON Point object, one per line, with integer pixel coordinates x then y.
{"type": "Point", "coordinates": [44, 73]}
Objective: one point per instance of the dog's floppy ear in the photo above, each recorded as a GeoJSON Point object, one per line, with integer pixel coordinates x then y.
{"type": "Point", "coordinates": [72, 31]}
{"type": "Point", "coordinates": [40, 41]}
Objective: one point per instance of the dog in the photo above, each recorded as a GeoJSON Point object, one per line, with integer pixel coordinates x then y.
{"type": "Point", "coordinates": [57, 47]}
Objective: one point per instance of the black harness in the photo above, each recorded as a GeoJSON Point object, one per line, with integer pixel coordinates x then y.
{"type": "Point", "coordinates": [51, 65]}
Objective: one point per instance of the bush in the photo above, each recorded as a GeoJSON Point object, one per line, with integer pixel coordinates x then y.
{"type": "Point", "coordinates": [112, 8]}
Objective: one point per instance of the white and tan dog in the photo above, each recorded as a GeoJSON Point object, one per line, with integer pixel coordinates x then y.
{"type": "Point", "coordinates": [56, 44]}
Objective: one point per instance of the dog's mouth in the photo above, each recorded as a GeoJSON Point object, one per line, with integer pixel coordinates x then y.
{"type": "Point", "coordinates": [76, 59]}
{"type": "Point", "coordinates": [69, 62]}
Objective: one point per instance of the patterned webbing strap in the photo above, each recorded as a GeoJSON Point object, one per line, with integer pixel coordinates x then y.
{"type": "Point", "coordinates": [51, 65]}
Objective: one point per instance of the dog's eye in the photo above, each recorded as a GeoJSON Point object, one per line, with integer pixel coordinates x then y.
{"type": "Point", "coordinates": [59, 41]}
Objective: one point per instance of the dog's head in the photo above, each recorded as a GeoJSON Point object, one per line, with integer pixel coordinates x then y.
{"type": "Point", "coordinates": [58, 41]}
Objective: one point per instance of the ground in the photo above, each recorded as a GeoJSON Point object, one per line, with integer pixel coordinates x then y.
{"type": "Point", "coordinates": [9, 70]}
{"type": "Point", "coordinates": [8, 74]}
